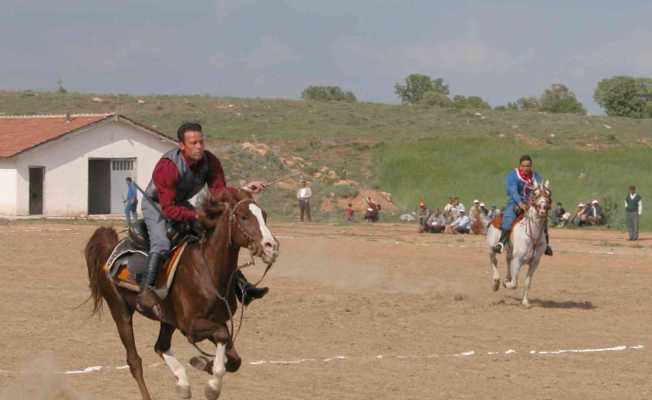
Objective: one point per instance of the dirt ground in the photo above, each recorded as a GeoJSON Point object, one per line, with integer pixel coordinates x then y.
{"type": "Point", "coordinates": [357, 312]}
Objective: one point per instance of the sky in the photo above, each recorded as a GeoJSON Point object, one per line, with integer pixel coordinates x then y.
{"type": "Point", "coordinates": [499, 50]}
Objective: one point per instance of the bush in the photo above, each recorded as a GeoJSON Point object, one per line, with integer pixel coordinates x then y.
{"type": "Point", "coordinates": [559, 99]}
{"type": "Point", "coordinates": [417, 85]}
{"type": "Point", "coordinates": [433, 98]}
{"type": "Point", "coordinates": [327, 93]}
{"type": "Point", "coordinates": [474, 102]}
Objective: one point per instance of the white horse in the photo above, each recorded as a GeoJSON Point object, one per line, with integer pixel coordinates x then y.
{"type": "Point", "coordinates": [527, 242]}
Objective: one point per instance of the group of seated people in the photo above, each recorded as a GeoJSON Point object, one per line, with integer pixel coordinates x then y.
{"type": "Point", "coordinates": [586, 214]}
{"type": "Point", "coordinates": [454, 218]}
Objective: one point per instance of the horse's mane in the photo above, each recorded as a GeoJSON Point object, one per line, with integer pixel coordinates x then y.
{"type": "Point", "coordinates": [211, 207]}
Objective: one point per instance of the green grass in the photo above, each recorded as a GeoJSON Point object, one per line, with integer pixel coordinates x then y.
{"type": "Point", "coordinates": [410, 151]}
{"type": "Point", "coordinates": [433, 169]}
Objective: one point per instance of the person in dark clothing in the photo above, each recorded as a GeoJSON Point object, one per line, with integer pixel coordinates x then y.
{"type": "Point", "coordinates": [633, 211]}
{"type": "Point", "coordinates": [179, 175]}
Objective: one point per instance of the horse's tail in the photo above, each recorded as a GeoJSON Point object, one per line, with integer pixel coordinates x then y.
{"type": "Point", "coordinates": [97, 251]}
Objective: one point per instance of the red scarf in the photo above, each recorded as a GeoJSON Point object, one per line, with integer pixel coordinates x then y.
{"type": "Point", "coordinates": [527, 179]}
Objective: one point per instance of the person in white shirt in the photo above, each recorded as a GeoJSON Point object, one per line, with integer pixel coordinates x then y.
{"type": "Point", "coordinates": [303, 195]}
{"type": "Point", "coordinates": [462, 224]}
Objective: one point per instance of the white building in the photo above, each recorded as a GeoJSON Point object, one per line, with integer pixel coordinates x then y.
{"type": "Point", "coordinates": [73, 165]}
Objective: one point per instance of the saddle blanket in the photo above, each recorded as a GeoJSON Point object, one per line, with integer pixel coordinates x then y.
{"type": "Point", "coordinates": [127, 264]}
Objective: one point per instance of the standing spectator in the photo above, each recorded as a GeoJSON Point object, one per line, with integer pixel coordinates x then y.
{"type": "Point", "coordinates": [131, 203]}
{"type": "Point", "coordinates": [557, 214]}
{"type": "Point", "coordinates": [349, 213]}
{"type": "Point", "coordinates": [449, 206]}
{"type": "Point", "coordinates": [633, 211]}
{"type": "Point", "coordinates": [422, 214]}
{"type": "Point", "coordinates": [373, 210]}
{"type": "Point", "coordinates": [303, 195]}
{"type": "Point", "coordinates": [484, 210]}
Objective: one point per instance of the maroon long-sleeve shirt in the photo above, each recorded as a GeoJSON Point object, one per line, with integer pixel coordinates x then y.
{"type": "Point", "coordinates": [166, 176]}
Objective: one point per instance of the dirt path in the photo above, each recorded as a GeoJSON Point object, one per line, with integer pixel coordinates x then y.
{"type": "Point", "coordinates": [410, 316]}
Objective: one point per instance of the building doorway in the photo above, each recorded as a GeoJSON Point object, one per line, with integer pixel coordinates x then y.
{"type": "Point", "coordinates": [36, 178]}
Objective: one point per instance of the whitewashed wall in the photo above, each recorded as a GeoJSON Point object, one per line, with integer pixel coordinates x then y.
{"type": "Point", "coordinates": [65, 189]}
{"type": "Point", "coordinates": [7, 187]}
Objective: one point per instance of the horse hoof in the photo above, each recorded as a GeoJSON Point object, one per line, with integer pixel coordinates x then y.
{"type": "Point", "coordinates": [496, 285]}
{"type": "Point", "coordinates": [233, 360]}
{"type": "Point", "coordinates": [527, 305]}
{"type": "Point", "coordinates": [210, 393]}
{"type": "Point", "coordinates": [202, 363]}
{"type": "Point", "coordinates": [183, 392]}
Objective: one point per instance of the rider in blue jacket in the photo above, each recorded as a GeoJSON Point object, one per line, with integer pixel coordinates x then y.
{"type": "Point", "coordinates": [519, 183]}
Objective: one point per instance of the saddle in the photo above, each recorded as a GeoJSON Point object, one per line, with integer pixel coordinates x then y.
{"type": "Point", "coordinates": [127, 263]}
{"type": "Point", "coordinates": [497, 222]}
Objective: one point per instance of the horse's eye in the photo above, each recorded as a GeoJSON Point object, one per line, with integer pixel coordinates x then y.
{"type": "Point", "coordinates": [243, 218]}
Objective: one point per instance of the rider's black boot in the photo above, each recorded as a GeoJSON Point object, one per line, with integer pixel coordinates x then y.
{"type": "Point", "coordinates": [502, 242]}
{"type": "Point", "coordinates": [147, 298]}
{"type": "Point", "coordinates": [246, 292]}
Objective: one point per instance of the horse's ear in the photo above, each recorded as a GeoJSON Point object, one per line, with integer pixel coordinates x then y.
{"type": "Point", "coordinates": [547, 184]}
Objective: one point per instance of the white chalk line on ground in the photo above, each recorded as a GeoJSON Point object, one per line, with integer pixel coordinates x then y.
{"type": "Point", "coordinates": [465, 354]}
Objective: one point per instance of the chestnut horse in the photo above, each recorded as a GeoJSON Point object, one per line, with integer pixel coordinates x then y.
{"type": "Point", "coordinates": [202, 300]}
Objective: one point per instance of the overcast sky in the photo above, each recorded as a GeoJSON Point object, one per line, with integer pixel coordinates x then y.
{"type": "Point", "coordinates": [499, 50]}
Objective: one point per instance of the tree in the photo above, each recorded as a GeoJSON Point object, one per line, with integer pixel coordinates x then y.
{"type": "Point", "coordinates": [417, 85]}
{"type": "Point", "coordinates": [559, 99]}
{"type": "Point", "coordinates": [622, 96]}
{"type": "Point", "coordinates": [327, 93]}
{"type": "Point", "coordinates": [433, 98]}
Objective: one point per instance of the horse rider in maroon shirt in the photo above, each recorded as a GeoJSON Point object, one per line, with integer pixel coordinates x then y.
{"type": "Point", "coordinates": [179, 175]}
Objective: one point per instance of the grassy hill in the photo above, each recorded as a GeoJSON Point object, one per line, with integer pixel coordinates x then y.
{"type": "Point", "coordinates": [410, 151]}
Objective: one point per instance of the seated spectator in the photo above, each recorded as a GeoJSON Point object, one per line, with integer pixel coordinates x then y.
{"type": "Point", "coordinates": [493, 212]}
{"type": "Point", "coordinates": [449, 205]}
{"type": "Point", "coordinates": [557, 214]}
{"type": "Point", "coordinates": [595, 214]}
{"type": "Point", "coordinates": [581, 215]}
{"type": "Point", "coordinates": [461, 225]}
{"type": "Point", "coordinates": [436, 222]}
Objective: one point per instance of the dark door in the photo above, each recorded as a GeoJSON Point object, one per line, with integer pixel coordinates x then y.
{"type": "Point", "coordinates": [99, 186]}
{"type": "Point", "coordinates": [36, 175]}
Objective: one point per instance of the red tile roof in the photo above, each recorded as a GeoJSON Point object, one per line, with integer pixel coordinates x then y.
{"type": "Point", "coordinates": [21, 133]}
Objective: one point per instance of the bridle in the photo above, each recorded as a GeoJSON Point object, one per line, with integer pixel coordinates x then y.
{"type": "Point", "coordinates": [532, 203]}
{"type": "Point", "coordinates": [234, 223]}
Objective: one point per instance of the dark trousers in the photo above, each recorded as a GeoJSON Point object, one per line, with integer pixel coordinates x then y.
{"type": "Point", "coordinates": [304, 208]}
{"type": "Point", "coordinates": [631, 219]}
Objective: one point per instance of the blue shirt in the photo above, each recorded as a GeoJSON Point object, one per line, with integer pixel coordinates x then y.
{"type": "Point", "coordinates": [131, 191]}
{"type": "Point", "coordinates": [517, 189]}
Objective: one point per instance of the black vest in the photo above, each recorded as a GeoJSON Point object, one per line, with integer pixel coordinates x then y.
{"type": "Point", "coordinates": [632, 204]}
{"type": "Point", "coordinates": [190, 182]}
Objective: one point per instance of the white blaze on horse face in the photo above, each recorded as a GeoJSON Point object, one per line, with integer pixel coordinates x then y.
{"type": "Point", "coordinates": [268, 238]}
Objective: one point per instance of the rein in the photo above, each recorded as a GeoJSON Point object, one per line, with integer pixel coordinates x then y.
{"type": "Point", "coordinates": [529, 231]}
{"type": "Point", "coordinates": [231, 224]}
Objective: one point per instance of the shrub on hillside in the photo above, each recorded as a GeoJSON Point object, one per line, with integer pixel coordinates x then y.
{"type": "Point", "coordinates": [417, 85]}
{"type": "Point", "coordinates": [474, 102]}
{"type": "Point", "coordinates": [433, 98]}
{"type": "Point", "coordinates": [327, 93]}
{"type": "Point", "coordinates": [559, 99]}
